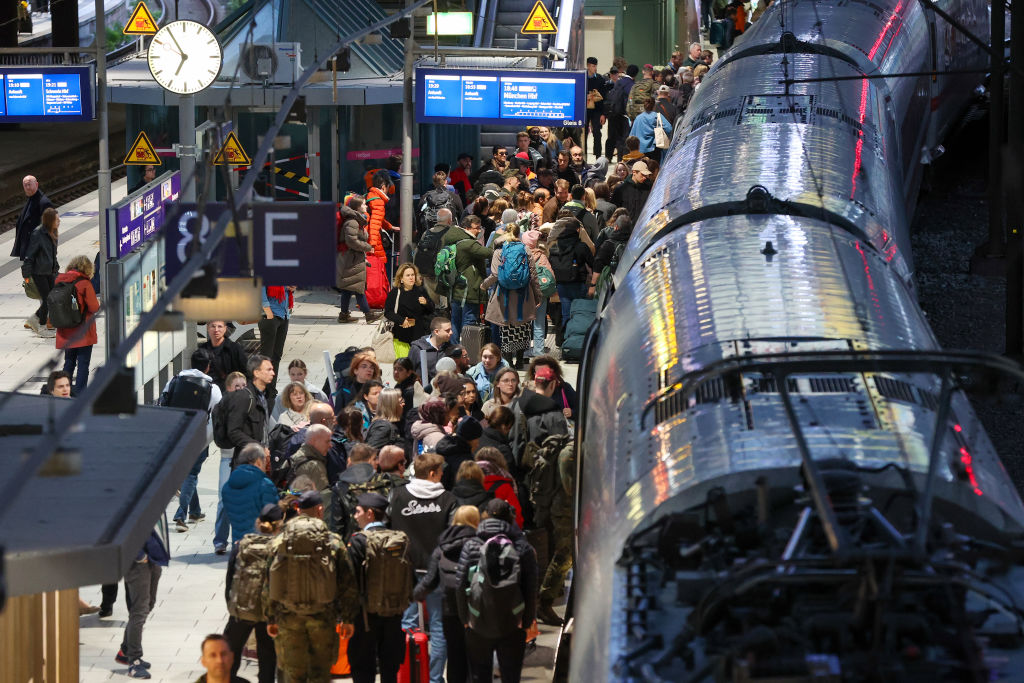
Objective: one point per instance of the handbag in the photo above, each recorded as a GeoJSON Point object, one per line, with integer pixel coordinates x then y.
{"type": "Point", "coordinates": [31, 291]}
{"type": "Point", "coordinates": [661, 139]}
{"type": "Point", "coordinates": [383, 341]}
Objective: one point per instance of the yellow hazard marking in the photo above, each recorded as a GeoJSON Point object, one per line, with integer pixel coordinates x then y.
{"type": "Point", "coordinates": [292, 175]}
{"type": "Point", "coordinates": [539, 21]}
{"type": "Point", "coordinates": [231, 153]}
{"type": "Point", "coordinates": [141, 22]}
{"type": "Point", "coordinates": [142, 152]}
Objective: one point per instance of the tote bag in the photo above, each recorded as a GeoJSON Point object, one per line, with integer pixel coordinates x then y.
{"type": "Point", "coordinates": [661, 139]}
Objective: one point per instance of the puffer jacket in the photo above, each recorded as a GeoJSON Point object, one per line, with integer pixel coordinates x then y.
{"type": "Point", "coordinates": [528, 570]}
{"type": "Point", "coordinates": [376, 202]}
{"type": "Point", "coordinates": [427, 433]}
{"type": "Point", "coordinates": [471, 259]}
{"type": "Point", "coordinates": [503, 307]}
{"type": "Point", "coordinates": [244, 494]}
{"type": "Point", "coordinates": [449, 544]}
{"type": "Point", "coordinates": [89, 304]}
{"type": "Point", "coordinates": [351, 263]}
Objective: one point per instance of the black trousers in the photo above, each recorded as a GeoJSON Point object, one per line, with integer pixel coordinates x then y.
{"type": "Point", "coordinates": [618, 129]}
{"type": "Point", "coordinates": [382, 645]}
{"type": "Point", "coordinates": [44, 283]}
{"type": "Point", "coordinates": [273, 333]}
{"type": "Point", "coordinates": [237, 632]}
{"type": "Point", "coordinates": [510, 650]}
{"type": "Point", "coordinates": [458, 657]}
{"type": "Point", "coordinates": [594, 128]}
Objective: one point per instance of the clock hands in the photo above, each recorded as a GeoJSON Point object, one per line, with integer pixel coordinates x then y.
{"type": "Point", "coordinates": [180, 52]}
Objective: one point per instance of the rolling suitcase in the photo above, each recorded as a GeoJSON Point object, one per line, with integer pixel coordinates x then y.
{"type": "Point", "coordinates": [341, 667]}
{"type": "Point", "coordinates": [474, 337]}
{"type": "Point", "coordinates": [416, 667]}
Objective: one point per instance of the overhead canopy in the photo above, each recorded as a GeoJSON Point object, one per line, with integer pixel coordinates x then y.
{"type": "Point", "coordinates": [87, 527]}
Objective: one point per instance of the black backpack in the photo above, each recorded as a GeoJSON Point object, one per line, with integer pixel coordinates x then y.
{"type": "Point", "coordinates": [280, 455]}
{"type": "Point", "coordinates": [427, 250]}
{"type": "Point", "coordinates": [434, 201]}
{"type": "Point", "coordinates": [62, 302]}
{"type": "Point", "coordinates": [564, 263]}
{"type": "Point", "coordinates": [187, 391]}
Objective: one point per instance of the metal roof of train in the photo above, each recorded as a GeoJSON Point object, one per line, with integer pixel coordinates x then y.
{"type": "Point", "coordinates": [86, 528]}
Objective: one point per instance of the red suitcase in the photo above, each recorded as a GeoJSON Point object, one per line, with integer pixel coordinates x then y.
{"type": "Point", "coordinates": [416, 667]}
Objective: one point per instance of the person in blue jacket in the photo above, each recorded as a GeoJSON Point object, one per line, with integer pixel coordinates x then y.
{"type": "Point", "coordinates": [247, 490]}
{"type": "Point", "coordinates": [643, 129]}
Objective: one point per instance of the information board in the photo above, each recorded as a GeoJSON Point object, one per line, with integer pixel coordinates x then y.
{"type": "Point", "coordinates": [46, 93]}
{"type": "Point", "coordinates": [139, 217]}
{"type": "Point", "coordinates": [512, 98]}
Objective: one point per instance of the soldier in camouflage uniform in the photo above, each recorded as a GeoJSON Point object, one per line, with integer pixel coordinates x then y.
{"type": "Point", "coordinates": [641, 90]}
{"type": "Point", "coordinates": [310, 588]}
{"type": "Point", "coordinates": [562, 532]}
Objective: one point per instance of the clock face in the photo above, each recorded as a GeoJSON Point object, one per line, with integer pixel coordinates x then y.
{"type": "Point", "coordinates": [184, 57]}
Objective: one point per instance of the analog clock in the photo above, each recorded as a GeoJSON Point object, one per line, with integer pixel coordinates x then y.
{"type": "Point", "coordinates": [184, 57]}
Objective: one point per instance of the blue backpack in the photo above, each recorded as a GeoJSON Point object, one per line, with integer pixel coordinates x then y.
{"type": "Point", "coordinates": [514, 269]}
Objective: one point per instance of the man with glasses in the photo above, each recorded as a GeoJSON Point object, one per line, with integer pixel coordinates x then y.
{"type": "Point", "coordinates": [498, 162]}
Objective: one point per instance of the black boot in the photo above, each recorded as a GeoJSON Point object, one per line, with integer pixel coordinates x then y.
{"type": "Point", "coordinates": [547, 615]}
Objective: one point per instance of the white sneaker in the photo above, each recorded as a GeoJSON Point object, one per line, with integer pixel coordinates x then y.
{"type": "Point", "coordinates": [46, 333]}
{"type": "Point", "coordinates": [32, 324]}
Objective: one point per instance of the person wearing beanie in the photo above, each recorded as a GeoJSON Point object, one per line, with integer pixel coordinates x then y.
{"type": "Point", "coordinates": [509, 217]}
{"type": "Point", "coordinates": [457, 447]}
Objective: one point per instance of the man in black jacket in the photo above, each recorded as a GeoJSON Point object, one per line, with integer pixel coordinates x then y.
{"type": "Point", "coordinates": [423, 509]}
{"type": "Point", "coordinates": [596, 90]}
{"type": "Point", "coordinates": [615, 110]}
{"type": "Point", "coordinates": [631, 194]}
{"type": "Point", "coordinates": [434, 345]}
{"type": "Point", "coordinates": [511, 647]}
{"type": "Point", "coordinates": [570, 258]}
{"type": "Point", "coordinates": [227, 355]}
{"type": "Point", "coordinates": [458, 447]}
{"type": "Point", "coordinates": [248, 409]}
{"type": "Point", "coordinates": [362, 465]}
{"type": "Point", "coordinates": [31, 215]}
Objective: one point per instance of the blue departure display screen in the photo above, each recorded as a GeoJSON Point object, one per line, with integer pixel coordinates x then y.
{"type": "Point", "coordinates": [46, 93]}
{"type": "Point", "coordinates": [554, 98]}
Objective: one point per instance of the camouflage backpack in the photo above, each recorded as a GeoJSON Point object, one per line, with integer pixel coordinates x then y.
{"type": "Point", "coordinates": [303, 576]}
{"type": "Point", "coordinates": [245, 598]}
{"type": "Point", "coordinates": [388, 572]}
{"type": "Point", "coordinates": [345, 496]}
{"type": "Point", "coordinates": [542, 478]}
{"type": "Point", "coordinates": [640, 91]}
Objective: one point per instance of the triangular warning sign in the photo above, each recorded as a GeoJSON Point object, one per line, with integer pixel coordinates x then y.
{"type": "Point", "coordinates": [539, 21]}
{"type": "Point", "coordinates": [231, 153]}
{"type": "Point", "coordinates": [141, 23]}
{"type": "Point", "coordinates": [142, 153]}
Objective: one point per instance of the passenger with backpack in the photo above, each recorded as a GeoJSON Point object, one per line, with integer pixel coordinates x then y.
{"type": "Point", "coordinates": [436, 198]}
{"type": "Point", "coordinates": [548, 288]}
{"type": "Point", "coordinates": [441, 573]}
{"type": "Point", "coordinates": [244, 592]}
{"type": "Point", "coordinates": [354, 481]}
{"type": "Point", "coordinates": [192, 389]}
{"type": "Point", "coordinates": [430, 244]}
{"type": "Point", "coordinates": [73, 308]}
{"type": "Point", "coordinates": [461, 267]}
{"type": "Point", "coordinates": [311, 460]}
{"type": "Point", "coordinates": [513, 302]}
{"type": "Point", "coordinates": [423, 509]}
{"type": "Point", "coordinates": [570, 259]}
{"type": "Point", "coordinates": [311, 587]}
{"type": "Point", "coordinates": [39, 266]}
{"type": "Point", "coordinates": [380, 558]}
{"type": "Point", "coordinates": [496, 585]}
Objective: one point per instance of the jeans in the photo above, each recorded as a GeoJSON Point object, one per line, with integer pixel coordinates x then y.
{"type": "Point", "coordinates": [540, 327]}
{"type": "Point", "coordinates": [361, 302]}
{"type": "Point", "coordinates": [140, 585]}
{"type": "Point", "coordinates": [567, 293]}
{"type": "Point", "coordinates": [510, 650]}
{"type": "Point", "coordinates": [188, 501]}
{"type": "Point", "coordinates": [438, 646]}
{"type": "Point", "coordinates": [222, 527]}
{"type": "Point", "coordinates": [78, 357]}
{"type": "Point", "coordinates": [237, 632]}
{"type": "Point", "coordinates": [463, 315]}
{"type": "Point", "coordinates": [44, 283]}
{"type": "Point", "coordinates": [273, 332]}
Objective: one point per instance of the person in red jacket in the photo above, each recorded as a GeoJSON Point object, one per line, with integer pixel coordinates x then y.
{"type": "Point", "coordinates": [497, 480]}
{"type": "Point", "coordinates": [78, 341]}
{"type": "Point", "coordinates": [376, 203]}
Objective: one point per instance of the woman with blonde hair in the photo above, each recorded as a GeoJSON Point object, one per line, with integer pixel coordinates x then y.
{"type": "Point", "coordinates": [409, 307]}
{"type": "Point", "coordinates": [78, 341]}
{"type": "Point", "coordinates": [551, 147]}
{"type": "Point", "coordinates": [296, 402]}
{"type": "Point", "coordinates": [386, 426]}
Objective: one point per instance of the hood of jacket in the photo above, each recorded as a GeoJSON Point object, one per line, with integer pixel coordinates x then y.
{"type": "Point", "coordinates": [244, 476]}
{"type": "Point", "coordinates": [532, 403]}
{"type": "Point", "coordinates": [306, 452]}
{"type": "Point", "coordinates": [348, 214]}
{"type": "Point", "coordinates": [493, 435]}
{"type": "Point", "coordinates": [421, 429]}
{"type": "Point", "coordinates": [69, 276]}
{"type": "Point", "coordinates": [357, 473]}
{"type": "Point", "coordinates": [421, 488]}
{"type": "Point", "coordinates": [453, 445]}
{"type": "Point", "coordinates": [492, 526]}
{"type": "Point", "coordinates": [452, 539]}
{"type": "Point", "coordinates": [470, 491]}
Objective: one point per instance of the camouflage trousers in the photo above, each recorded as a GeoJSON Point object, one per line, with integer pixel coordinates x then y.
{"type": "Point", "coordinates": [307, 647]}
{"type": "Point", "coordinates": [558, 568]}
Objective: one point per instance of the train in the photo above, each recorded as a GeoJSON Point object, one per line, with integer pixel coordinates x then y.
{"type": "Point", "coordinates": [780, 476]}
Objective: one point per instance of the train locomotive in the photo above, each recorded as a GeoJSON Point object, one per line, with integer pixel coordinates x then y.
{"type": "Point", "coordinates": [780, 477]}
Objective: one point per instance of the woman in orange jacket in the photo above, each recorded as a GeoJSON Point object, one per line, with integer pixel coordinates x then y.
{"type": "Point", "coordinates": [376, 201]}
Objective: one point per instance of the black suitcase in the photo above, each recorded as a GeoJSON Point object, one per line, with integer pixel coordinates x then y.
{"type": "Point", "coordinates": [474, 337]}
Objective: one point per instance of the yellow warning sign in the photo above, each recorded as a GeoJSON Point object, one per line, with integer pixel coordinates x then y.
{"type": "Point", "coordinates": [141, 23]}
{"type": "Point", "coordinates": [539, 21]}
{"type": "Point", "coordinates": [142, 153]}
{"type": "Point", "coordinates": [231, 153]}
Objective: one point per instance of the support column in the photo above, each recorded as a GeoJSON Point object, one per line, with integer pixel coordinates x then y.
{"type": "Point", "coordinates": [406, 182]}
{"type": "Point", "coordinates": [187, 137]}
{"type": "Point", "coordinates": [103, 175]}
{"type": "Point", "coordinates": [313, 147]}
{"type": "Point", "coordinates": [335, 157]}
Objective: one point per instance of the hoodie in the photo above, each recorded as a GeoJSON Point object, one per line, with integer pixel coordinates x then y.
{"type": "Point", "coordinates": [422, 509]}
{"type": "Point", "coordinates": [244, 494]}
{"type": "Point", "coordinates": [449, 546]}
{"type": "Point", "coordinates": [427, 433]}
{"type": "Point", "coordinates": [471, 492]}
{"type": "Point", "coordinates": [528, 570]}
{"type": "Point", "coordinates": [455, 450]}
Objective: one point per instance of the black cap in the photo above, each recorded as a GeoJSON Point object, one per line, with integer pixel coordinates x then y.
{"type": "Point", "coordinates": [310, 499]}
{"type": "Point", "coordinates": [591, 60]}
{"type": "Point", "coordinates": [463, 156]}
{"type": "Point", "coordinates": [372, 501]}
{"type": "Point", "coordinates": [613, 70]}
{"type": "Point", "coordinates": [469, 428]}
{"type": "Point", "coordinates": [271, 512]}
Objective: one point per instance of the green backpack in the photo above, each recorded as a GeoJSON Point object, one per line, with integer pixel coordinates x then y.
{"type": "Point", "coordinates": [388, 572]}
{"type": "Point", "coordinates": [445, 268]}
{"type": "Point", "coordinates": [303, 575]}
{"type": "Point", "coordinates": [245, 597]}
{"type": "Point", "coordinates": [546, 280]}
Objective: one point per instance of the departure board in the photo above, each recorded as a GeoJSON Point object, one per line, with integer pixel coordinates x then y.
{"type": "Point", "coordinates": [46, 94]}
{"type": "Point", "coordinates": [501, 97]}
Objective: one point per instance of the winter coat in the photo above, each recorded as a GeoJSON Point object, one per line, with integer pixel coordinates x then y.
{"type": "Point", "coordinates": [449, 544]}
{"type": "Point", "coordinates": [422, 509]}
{"type": "Point", "coordinates": [307, 461]}
{"type": "Point", "coordinates": [504, 305]}
{"type": "Point", "coordinates": [376, 202]}
{"type": "Point", "coordinates": [643, 128]}
{"type": "Point", "coordinates": [606, 252]}
{"type": "Point", "coordinates": [471, 492]}
{"type": "Point", "coordinates": [246, 418]}
{"type": "Point", "coordinates": [455, 450]}
{"type": "Point", "coordinates": [291, 418]}
{"type": "Point", "coordinates": [409, 306]}
{"type": "Point", "coordinates": [617, 98]}
{"type": "Point", "coordinates": [537, 417]}
{"type": "Point", "coordinates": [605, 209]}
{"type": "Point", "coordinates": [383, 433]}
{"type": "Point", "coordinates": [570, 256]}
{"type": "Point", "coordinates": [40, 254]}
{"type": "Point", "coordinates": [503, 487]}
{"type": "Point", "coordinates": [471, 259]}
{"type": "Point", "coordinates": [244, 494]}
{"type": "Point", "coordinates": [427, 433]}
{"type": "Point", "coordinates": [483, 378]}
{"type": "Point", "coordinates": [631, 197]}
{"type": "Point", "coordinates": [528, 569]}
{"type": "Point", "coordinates": [351, 263]}
{"type": "Point", "coordinates": [339, 520]}
{"type": "Point", "coordinates": [667, 109]}
{"type": "Point", "coordinates": [640, 91]}
{"type": "Point", "coordinates": [227, 358]}
{"type": "Point", "coordinates": [88, 303]}
{"type": "Point", "coordinates": [30, 218]}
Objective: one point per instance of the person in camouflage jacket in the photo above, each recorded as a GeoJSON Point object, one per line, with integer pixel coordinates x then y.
{"type": "Point", "coordinates": [641, 90]}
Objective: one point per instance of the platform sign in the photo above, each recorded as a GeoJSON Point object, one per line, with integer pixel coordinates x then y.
{"type": "Point", "coordinates": [510, 98]}
{"type": "Point", "coordinates": [137, 219]}
{"type": "Point", "coordinates": [46, 94]}
{"type": "Point", "coordinates": [539, 21]}
{"type": "Point", "coordinates": [142, 152]}
{"type": "Point", "coordinates": [141, 23]}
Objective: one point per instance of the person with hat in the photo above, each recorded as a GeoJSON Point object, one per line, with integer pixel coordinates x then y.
{"type": "Point", "coordinates": [377, 639]}
{"type": "Point", "coordinates": [641, 90]}
{"type": "Point", "coordinates": [596, 91]}
{"type": "Point", "coordinates": [243, 590]}
{"type": "Point", "coordinates": [664, 106]}
{"type": "Point", "coordinates": [457, 447]}
{"type": "Point", "coordinates": [311, 586]}
{"type": "Point", "coordinates": [631, 193]}
{"type": "Point", "coordinates": [644, 126]}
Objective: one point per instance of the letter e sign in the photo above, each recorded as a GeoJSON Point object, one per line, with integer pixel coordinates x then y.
{"type": "Point", "coordinates": [295, 243]}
